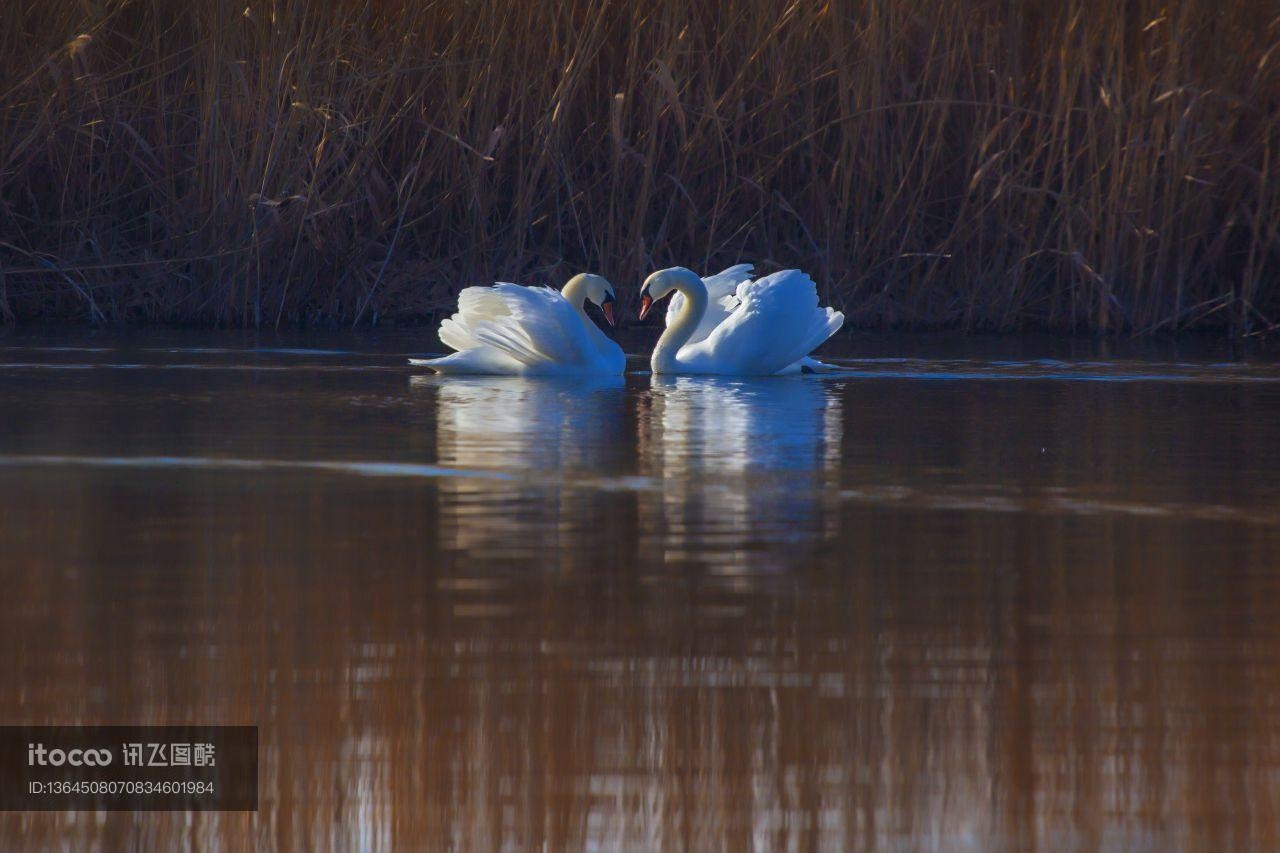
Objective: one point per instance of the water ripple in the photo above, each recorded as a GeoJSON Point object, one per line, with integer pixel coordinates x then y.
{"type": "Point", "coordinates": [1053, 369]}
{"type": "Point", "coordinates": [993, 498]}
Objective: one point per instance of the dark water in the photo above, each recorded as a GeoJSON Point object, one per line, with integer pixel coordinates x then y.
{"type": "Point", "coordinates": [975, 595]}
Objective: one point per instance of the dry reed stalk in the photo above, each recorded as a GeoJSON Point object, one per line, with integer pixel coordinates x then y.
{"type": "Point", "coordinates": [1078, 165]}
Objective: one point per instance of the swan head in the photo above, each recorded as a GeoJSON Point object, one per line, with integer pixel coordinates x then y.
{"type": "Point", "coordinates": [661, 283]}
{"type": "Point", "coordinates": [595, 289]}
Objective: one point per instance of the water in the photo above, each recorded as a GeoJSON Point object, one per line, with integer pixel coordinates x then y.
{"type": "Point", "coordinates": [977, 594]}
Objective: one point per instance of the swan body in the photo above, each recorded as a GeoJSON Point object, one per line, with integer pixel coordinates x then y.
{"type": "Point", "coordinates": [509, 329]}
{"type": "Point", "coordinates": [764, 327]}
{"type": "Point", "coordinates": [721, 290]}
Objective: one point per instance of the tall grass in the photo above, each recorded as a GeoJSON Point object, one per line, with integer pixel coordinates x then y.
{"type": "Point", "coordinates": [981, 163]}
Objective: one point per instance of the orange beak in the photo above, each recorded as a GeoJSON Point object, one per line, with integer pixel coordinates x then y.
{"type": "Point", "coordinates": [646, 303]}
{"type": "Point", "coordinates": [607, 308]}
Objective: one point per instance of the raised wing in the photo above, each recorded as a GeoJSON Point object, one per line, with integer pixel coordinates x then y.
{"type": "Point", "coordinates": [725, 282]}
{"type": "Point", "coordinates": [475, 305]}
{"type": "Point", "coordinates": [538, 326]}
{"type": "Point", "coordinates": [777, 322]}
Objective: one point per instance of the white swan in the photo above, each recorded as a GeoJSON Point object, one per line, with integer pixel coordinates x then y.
{"type": "Point", "coordinates": [763, 328]}
{"type": "Point", "coordinates": [509, 329]}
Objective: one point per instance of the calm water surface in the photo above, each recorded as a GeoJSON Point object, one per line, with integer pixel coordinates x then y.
{"type": "Point", "coordinates": [986, 594]}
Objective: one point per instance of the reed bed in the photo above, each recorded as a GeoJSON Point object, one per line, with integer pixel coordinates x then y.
{"type": "Point", "coordinates": [1074, 165]}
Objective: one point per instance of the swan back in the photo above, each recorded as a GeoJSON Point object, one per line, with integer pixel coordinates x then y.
{"type": "Point", "coordinates": [776, 322]}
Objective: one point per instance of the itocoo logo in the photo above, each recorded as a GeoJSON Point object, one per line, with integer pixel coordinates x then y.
{"type": "Point", "coordinates": [38, 755]}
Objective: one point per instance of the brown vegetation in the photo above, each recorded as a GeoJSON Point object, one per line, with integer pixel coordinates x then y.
{"type": "Point", "coordinates": [1096, 165]}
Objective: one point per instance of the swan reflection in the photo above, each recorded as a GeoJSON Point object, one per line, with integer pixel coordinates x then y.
{"type": "Point", "coordinates": [546, 436]}
{"type": "Point", "coordinates": [743, 468]}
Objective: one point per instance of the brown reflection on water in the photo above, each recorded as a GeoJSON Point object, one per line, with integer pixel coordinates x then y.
{"type": "Point", "coordinates": [844, 614]}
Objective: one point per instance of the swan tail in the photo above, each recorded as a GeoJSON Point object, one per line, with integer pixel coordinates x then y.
{"type": "Point", "coordinates": [810, 365]}
{"type": "Point", "coordinates": [472, 361]}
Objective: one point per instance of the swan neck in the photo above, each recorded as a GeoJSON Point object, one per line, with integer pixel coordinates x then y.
{"type": "Point", "coordinates": [681, 329]}
{"type": "Point", "coordinates": [575, 293]}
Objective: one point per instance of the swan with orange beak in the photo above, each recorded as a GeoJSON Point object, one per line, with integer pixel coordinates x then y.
{"type": "Point", "coordinates": [765, 327]}
{"type": "Point", "coordinates": [509, 329]}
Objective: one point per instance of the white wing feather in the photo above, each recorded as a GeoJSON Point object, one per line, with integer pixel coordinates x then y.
{"type": "Point", "coordinates": [539, 326]}
{"type": "Point", "coordinates": [776, 322]}
{"type": "Point", "coordinates": [475, 305]}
